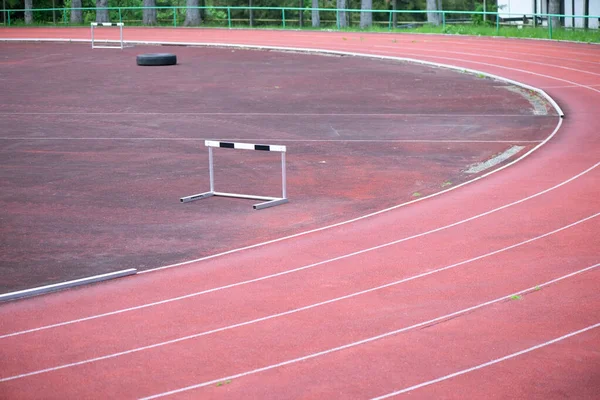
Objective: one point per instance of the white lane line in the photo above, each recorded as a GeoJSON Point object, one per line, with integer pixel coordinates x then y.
{"type": "Point", "coordinates": [507, 68]}
{"type": "Point", "coordinates": [250, 114]}
{"type": "Point", "coordinates": [485, 55]}
{"type": "Point", "coordinates": [303, 267]}
{"type": "Point", "coordinates": [437, 39]}
{"type": "Point", "coordinates": [564, 87]}
{"type": "Point", "coordinates": [279, 140]}
{"type": "Point", "coordinates": [367, 340]}
{"type": "Point", "coordinates": [489, 363]}
{"type": "Point", "coordinates": [528, 54]}
{"type": "Point", "coordinates": [293, 311]}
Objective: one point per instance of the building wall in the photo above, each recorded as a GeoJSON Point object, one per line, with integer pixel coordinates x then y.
{"type": "Point", "coordinates": [594, 11]}
{"type": "Point", "coordinates": [518, 8]}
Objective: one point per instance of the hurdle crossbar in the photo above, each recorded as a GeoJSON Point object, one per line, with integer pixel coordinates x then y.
{"type": "Point", "coordinates": [267, 201]}
{"type": "Point", "coordinates": [97, 24]}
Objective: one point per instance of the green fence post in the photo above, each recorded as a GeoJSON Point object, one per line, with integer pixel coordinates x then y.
{"type": "Point", "coordinates": [175, 17]}
{"type": "Point", "coordinates": [443, 21]}
{"type": "Point", "coordinates": [337, 19]}
{"type": "Point", "coordinates": [229, 17]}
{"type": "Point", "coordinates": [390, 22]}
{"type": "Point", "coordinates": [8, 14]}
{"type": "Point", "coordinates": [283, 17]}
{"type": "Point", "coordinates": [120, 16]}
{"type": "Point", "coordinates": [497, 23]}
{"type": "Point", "coordinates": [64, 16]}
{"type": "Point", "coordinates": [549, 26]}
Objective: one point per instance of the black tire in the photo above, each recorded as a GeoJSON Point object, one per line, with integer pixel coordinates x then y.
{"type": "Point", "coordinates": [157, 59]}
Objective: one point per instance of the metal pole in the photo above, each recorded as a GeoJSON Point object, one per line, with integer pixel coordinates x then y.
{"type": "Point", "coordinates": [497, 22]}
{"type": "Point", "coordinates": [484, 10]}
{"type": "Point", "coordinates": [92, 36]}
{"type": "Point", "coordinates": [283, 175]}
{"type": "Point", "coordinates": [210, 169]}
{"type": "Point", "coordinates": [121, 31]}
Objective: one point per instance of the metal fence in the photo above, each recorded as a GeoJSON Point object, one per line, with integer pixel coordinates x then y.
{"type": "Point", "coordinates": [301, 18]}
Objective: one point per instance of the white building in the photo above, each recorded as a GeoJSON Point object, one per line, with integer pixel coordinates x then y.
{"type": "Point", "coordinates": [518, 8]}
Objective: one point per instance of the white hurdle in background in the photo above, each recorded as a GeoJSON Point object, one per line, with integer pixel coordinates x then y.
{"type": "Point", "coordinates": [119, 24]}
{"type": "Point", "coordinates": [269, 201]}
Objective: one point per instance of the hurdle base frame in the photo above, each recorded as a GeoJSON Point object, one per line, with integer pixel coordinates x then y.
{"type": "Point", "coordinates": [269, 201]}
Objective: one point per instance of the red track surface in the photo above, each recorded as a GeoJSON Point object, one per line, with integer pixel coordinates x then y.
{"type": "Point", "coordinates": [512, 231]}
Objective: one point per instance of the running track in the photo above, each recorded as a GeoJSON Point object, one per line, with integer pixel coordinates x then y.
{"type": "Point", "coordinates": [487, 290]}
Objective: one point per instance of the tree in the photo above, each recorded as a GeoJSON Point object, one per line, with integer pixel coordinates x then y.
{"type": "Point", "coordinates": [76, 13]}
{"type": "Point", "coordinates": [28, 12]}
{"type": "Point", "coordinates": [366, 17]}
{"type": "Point", "coordinates": [149, 17]}
{"type": "Point", "coordinates": [342, 15]}
{"type": "Point", "coordinates": [316, 17]}
{"type": "Point", "coordinates": [433, 17]}
{"type": "Point", "coordinates": [301, 13]}
{"type": "Point", "coordinates": [192, 13]}
{"type": "Point", "coordinates": [554, 8]}
{"type": "Point", "coordinates": [102, 11]}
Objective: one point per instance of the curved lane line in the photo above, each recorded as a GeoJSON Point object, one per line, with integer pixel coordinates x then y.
{"type": "Point", "coordinates": [370, 339]}
{"type": "Point", "coordinates": [487, 364]}
{"type": "Point", "coordinates": [296, 310]}
{"type": "Point", "coordinates": [306, 266]}
{"type": "Point", "coordinates": [495, 57]}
